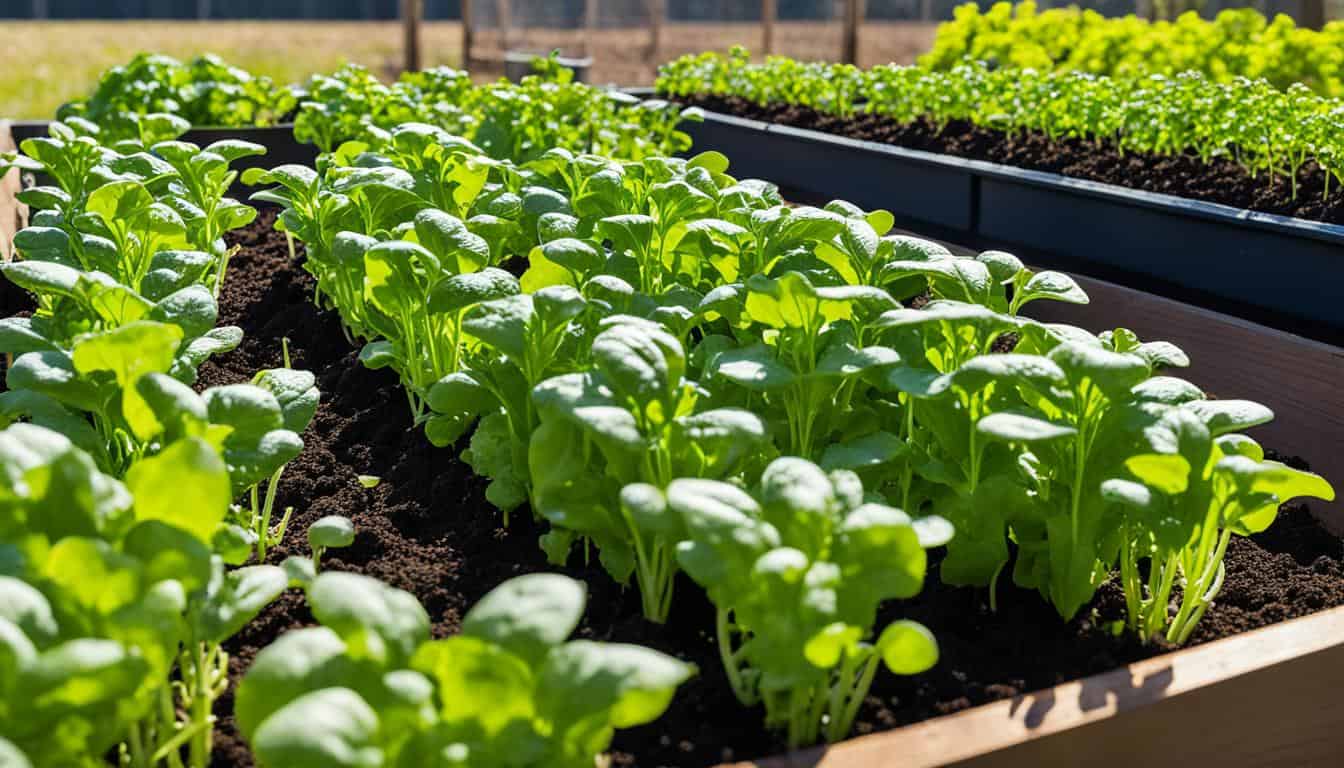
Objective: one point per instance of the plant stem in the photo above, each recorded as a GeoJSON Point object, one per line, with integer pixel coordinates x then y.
{"type": "Point", "coordinates": [723, 632]}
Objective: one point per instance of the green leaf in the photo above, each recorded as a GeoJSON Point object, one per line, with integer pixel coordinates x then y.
{"type": "Point", "coordinates": [573, 254]}
{"type": "Point", "coordinates": [583, 678]}
{"type": "Point", "coordinates": [295, 391]}
{"type": "Point", "coordinates": [907, 648]}
{"type": "Point", "coordinates": [870, 450]}
{"type": "Point", "coordinates": [825, 649]}
{"type": "Point", "coordinates": [1021, 428]}
{"type": "Point", "coordinates": [1113, 373]}
{"type": "Point", "coordinates": [169, 552]}
{"type": "Point", "coordinates": [329, 728]}
{"type": "Point", "coordinates": [130, 352]}
{"type": "Point", "coordinates": [478, 683]}
{"type": "Point", "coordinates": [378, 622]}
{"type": "Point", "coordinates": [42, 277]}
{"type": "Point", "coordinates": [1224, 416]}
{"type": "Point", "coordinates": [1166, 472]}
{"type": "Point", "coordinates": [235, 598]}
{"type": "Point", "coordinates": [754, 367]}
{"type": "Point", "coordinates": [462, 291]}
{"type": "Point", "coordinates": [186, 485]}
{"type": "Point", "coordinates": [298, 661]}
{"type": "Point", "coordinates": [332, 531]}
{"type": "Point", "coordinates": [1052, 285]}
{"type": "Point", "coordinates": [528, 615]}
{"type": "Point", "coordinates": [458, 249]}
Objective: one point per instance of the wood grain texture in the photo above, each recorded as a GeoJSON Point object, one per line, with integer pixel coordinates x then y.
{"type": "Point", "coordinates": [1267, 698]}
{"type": "Point", "coordinates": [12, 212]}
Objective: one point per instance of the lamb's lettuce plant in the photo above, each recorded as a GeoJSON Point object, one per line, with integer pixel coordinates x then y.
{"type": "Point", "coordinates": [370, 688]}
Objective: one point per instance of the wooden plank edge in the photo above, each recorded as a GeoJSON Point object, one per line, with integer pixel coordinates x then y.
{"type": "Point", "coordinates": [992, 728]}
{"type": "Point", "coordinates": [13, 214]}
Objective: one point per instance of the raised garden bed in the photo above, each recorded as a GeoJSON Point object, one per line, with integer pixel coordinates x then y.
{"type": "Point", "coordinates": [1230, 259]}
{"type": "Point", "coordinates": [1013, 687]}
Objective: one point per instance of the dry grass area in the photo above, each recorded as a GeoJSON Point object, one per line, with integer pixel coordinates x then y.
{"type": "Point", "coordinates": [45, 64]}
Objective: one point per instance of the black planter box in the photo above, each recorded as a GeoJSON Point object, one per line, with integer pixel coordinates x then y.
{"type": "Point", "coordinates": [281, 146]}
{"type": "Point", "coordinates": [1277, 270]}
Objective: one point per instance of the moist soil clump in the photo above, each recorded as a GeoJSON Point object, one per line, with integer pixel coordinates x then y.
{"type": "Point", "coordinates": [1185, 175]}
{"type": "Point", "coordinates": [427, 528]}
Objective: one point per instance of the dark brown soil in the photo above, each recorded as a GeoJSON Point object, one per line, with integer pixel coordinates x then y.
{"type": "Point", "coordinates": [428, 529]}
{"type": "Point", "coordinates": [1219, 181]}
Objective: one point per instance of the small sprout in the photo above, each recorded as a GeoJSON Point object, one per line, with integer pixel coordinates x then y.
{"type": "Point", "coordinates": [370, 481]}
{"type": "Point", "coordinates": [332, 531]}
{"type": "Point", "coordinates": [284, 351]}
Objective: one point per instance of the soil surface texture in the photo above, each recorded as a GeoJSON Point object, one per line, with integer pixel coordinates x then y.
{"type": "Point", "coordinates": [428, 529]}
{"type": "Point", "coordinates": [1185, 175]}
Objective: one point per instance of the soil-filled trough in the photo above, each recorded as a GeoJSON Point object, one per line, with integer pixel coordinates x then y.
{"type": "Point", "coordinates": [1275, 269]}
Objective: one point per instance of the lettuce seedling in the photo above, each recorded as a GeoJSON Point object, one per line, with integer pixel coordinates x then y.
{"type": "Point", "coordinates": [1200, 484]}
{"type": "Point", "coordinates": [520, 339]}
{"type": "Point", "coordinates": [330, 532]}
{"type": "Point", "coordinates": [807, 364]}
{"type": "Point", "coordinates": [632, 418]}
{"type": "Point", "coordinates": [198, 194]}
{"type": "Point", "coordinates": [133, 653]}
{"type": "Point", "coordinates": [369, 686]}
{"type": "Point", "coordinates": [796, 572]}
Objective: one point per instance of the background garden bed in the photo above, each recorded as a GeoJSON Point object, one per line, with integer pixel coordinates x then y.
{"type": "Point", "coordinates": [1259, 266]}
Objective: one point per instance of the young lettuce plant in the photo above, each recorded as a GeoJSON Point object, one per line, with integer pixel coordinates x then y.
{"type": "Point", "coordinates": [198, 195]}
{"type": "Point", "coordinates": [806, 363]}
{"type": "Point", "coordinates": [330, 532]}
{"type": "Point", "coordinates": [973, 424]}
{"type": "Point", "coordinates": [631, 418]}
{"type": "Point", "coordinates": [519, 341]}
{"type": "Point", "coordinates": [1200, 483]}
{"type": "Point", "coordinates": [1066, 552]}
{"type": "Point", "coordinates": [420, 292]}
{"type": "Point", "coordinates": [144, 603]}
{"type": "Point", "coordinates": [796, 572]}
{"type": "Point", "coordinates": [370, 688]}
{"type": "Point", "coordinates": [90, 341]}
{"type": "Point", "coordinates": [266, 420]}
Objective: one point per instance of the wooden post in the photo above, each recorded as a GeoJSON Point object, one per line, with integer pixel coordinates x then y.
{"type": "Point", "coordinates": [590, 11]}
{"type": "Point", "coordinates": [202, 9]}
{"type": "Point", "coordinates": [768, 13]}
{"type": "Point", "coordinates": [505, 22]}
{"type": "Point", "coordinates": [853, 16]}
{"type": "Point", "coordinates": [40, 9]}
{"type": "Point", "coordinates": [410, 19]}
{"type": "Point", "coordinates": [1313, 14]}
{"type": "Point", "coordinates": [925, 10]}
{"type": "Point", "coordinates": [657, 14]}
{"type": "Point", "coordinates": [468, 34]}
